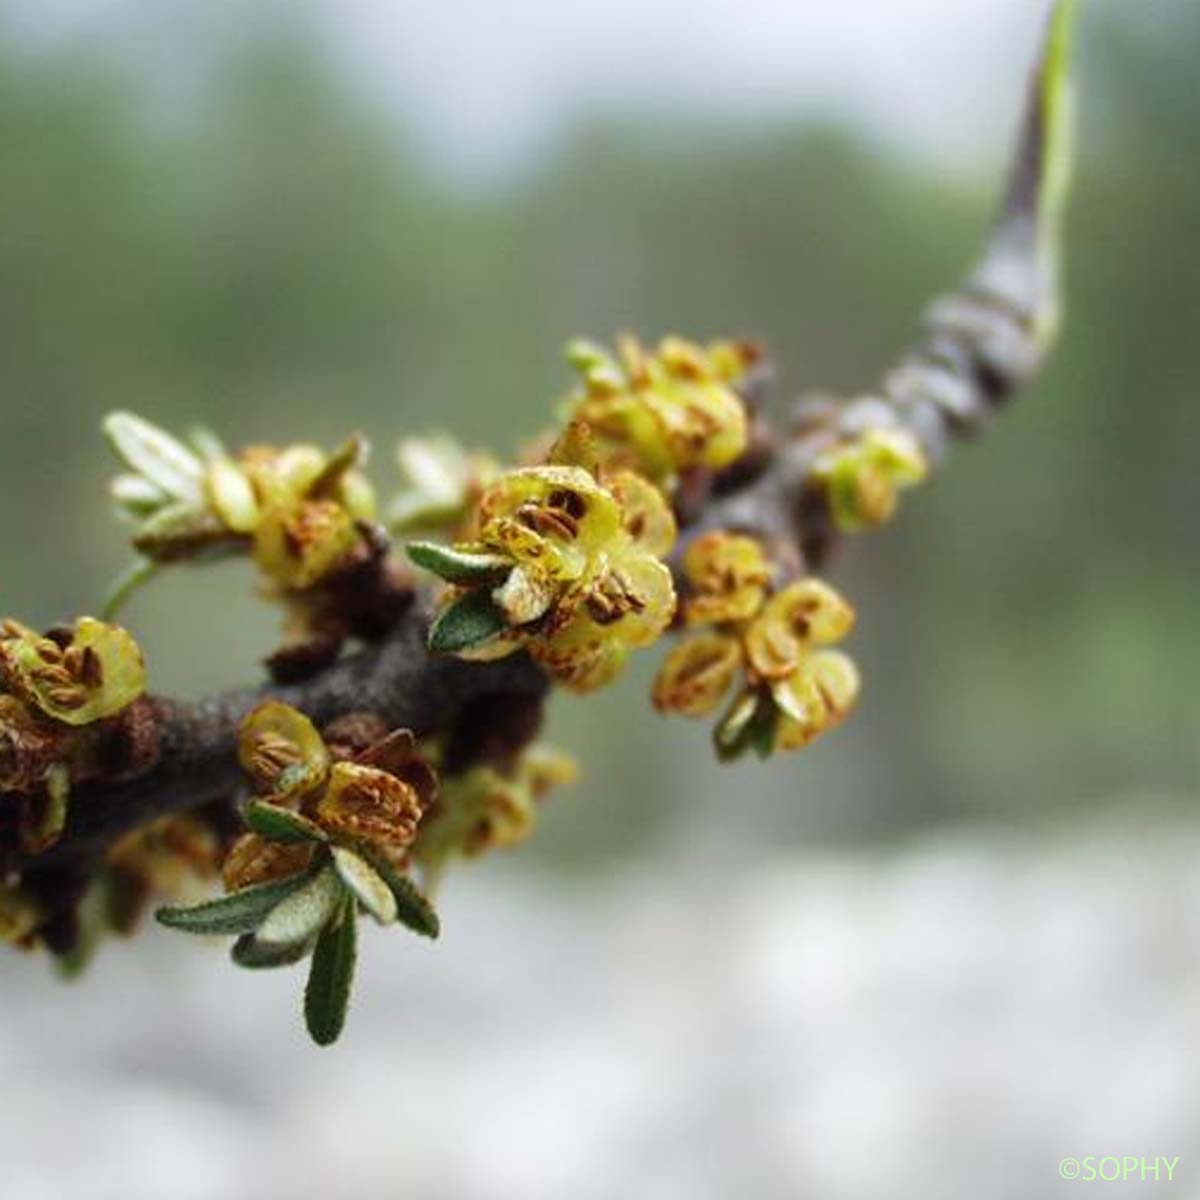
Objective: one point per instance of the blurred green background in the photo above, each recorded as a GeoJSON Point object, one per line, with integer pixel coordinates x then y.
{"type": "Point", "coordinates": [277, 259]}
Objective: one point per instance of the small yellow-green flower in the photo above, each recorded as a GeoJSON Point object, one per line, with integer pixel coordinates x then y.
{"type": "Point", "coordinates": [294, 508]}
{"type": "Point", "coordinates": [54, 688]}
{"type": "Point", "coordinates": [662, 412]}
{"type": "Point", "coordinates": [561, 564]}
{"type": "Point", "coordinates": [92, 673]}
{"type": "Point", "coordinates": [863, 477]}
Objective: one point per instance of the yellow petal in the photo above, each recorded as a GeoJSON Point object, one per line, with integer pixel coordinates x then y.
{"type": "Point", "coordinates": [696, 675]}
{"type": "Point", "coordinates": [647, 516]}
{"type": "Point", "coordinates": [805, 614]}
{"type": "Point", "coordinates": [582, 656]}
{"type": "Point", "coordinates": [232, 495]}
{"type": "Point", "coordinates": [813, 610]}
{"type": "Point", "coordinates": [815, 699]}
{"type": "Point", "coordinates": [644, 597]}
{"type": "Point", "coordinates": [837, 679]}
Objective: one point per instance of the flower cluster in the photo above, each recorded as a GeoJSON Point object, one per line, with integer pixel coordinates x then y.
{"type": "Point", "coordinates": [664, 412]}
{"type": "Point", "coordinates": [562, 563]}
{"type": "Point", "coordinates": [863, 475]}
{"type": "Point", "coordinates": [57, 690]}
{"type": "Point", "coordinates": [794, 687]}
{"type": "Point", "coordinates": [296, 509]}
{"type": "Point", "coordinates": [327, 837]}
{"type": "Point", "coordinates": [489, 808]}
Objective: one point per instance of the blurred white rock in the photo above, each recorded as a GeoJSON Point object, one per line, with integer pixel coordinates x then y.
{"type": "Point", "coordinates": [947, 1018]}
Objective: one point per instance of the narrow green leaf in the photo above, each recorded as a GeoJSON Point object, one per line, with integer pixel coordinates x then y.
{"type": "Point", "coordinates": [281, 824]}
{"type": "Point", "coordinates": [459, 566]}
{"type": "Point", "coordinates": [365, 882]}
{"type": "Point", "coordinates": [761, 731]}
{"type": "Point", "coordinates": [154, 453]}
{"type": "Point", "coordinates": [471, 620]}
{"type": "Point", "coordinates": [239, 912]}
{"type": "Point", "coordinates": [298, 917]}
{"type": "Point", "coordinates": [249, 952]}
{"type": "Point", "coordinates": [412, 905]}
{"type": "Point", "coordinates": [731, 734]}
{"type": "Point", "coordinates": [327, 995]}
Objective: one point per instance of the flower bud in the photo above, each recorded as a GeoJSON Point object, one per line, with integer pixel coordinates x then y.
{"type": "Point", "coordinates": [863, 477]}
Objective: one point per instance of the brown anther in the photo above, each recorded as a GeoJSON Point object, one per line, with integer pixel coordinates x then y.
{"type": "Point", "coordinates": [272, 755]}
{"type": "Point", "coordinates": [49, 651]}
{"type": "Point", "coordinates": [548, 521]}
{"type": "Point", "coordinates": [603, 609]}
{"type": "Point", "coordinates": [52, 676]}
{"type": "Point", "coordinates": [91, 669]}
{"type": "Point", "coordinates": [569, 502]}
